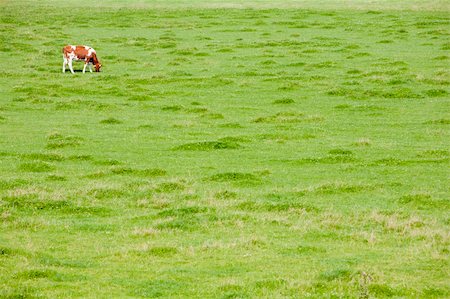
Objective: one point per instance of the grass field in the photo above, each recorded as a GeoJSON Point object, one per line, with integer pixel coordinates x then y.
{"type": "Point", "coordinates": [254, 149]}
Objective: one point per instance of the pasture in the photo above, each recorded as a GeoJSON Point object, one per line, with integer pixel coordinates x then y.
{"type": "Point", "coordinates": [260, 149]}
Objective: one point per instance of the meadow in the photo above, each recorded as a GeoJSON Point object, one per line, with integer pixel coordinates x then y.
{"type": "Point", "coordinates": [260, 149]}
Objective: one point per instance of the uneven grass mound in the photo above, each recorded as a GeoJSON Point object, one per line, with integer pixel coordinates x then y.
{"type": "Point", "coordinates": [284, 101]}
{"type": "Point", "coordinates": [57, 140]}
{"type": "Point", "coordinates": [208, 146]}
{"type": "Point", "coordinates": [36, 166]}
{"type": "Point", "coordinates": [288, 117]}
{"type": "Point", "coordinates": [111, 121]}
{"type": "Point", "coordinates": [236, 177]}
{"type": "Point", "coordinates": [147, 172]}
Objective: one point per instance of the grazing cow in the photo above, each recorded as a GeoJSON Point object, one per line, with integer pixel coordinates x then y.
{"type": "Point", "coordinates": [85, 53]}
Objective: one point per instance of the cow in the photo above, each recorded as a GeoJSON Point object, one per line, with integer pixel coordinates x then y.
{"type": "Point", "coordinates": [85, 53]}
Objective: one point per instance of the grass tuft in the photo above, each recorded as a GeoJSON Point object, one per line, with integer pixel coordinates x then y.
{"type": "Point", "coordinates": [48, 157]}
{"type": "Point", "coordinates": [436, 93]}
{"type": "Point", "coordinates": [169, 187]}
{"type": "Point", "coordinates": [36, 166]}
{"type": "Point", "coordinates": [57, 140]}
{"type": "Point", "coordinates": [57, 178]}
{"type": "Point", "coordinates": [208, 146]}
{"type": "Point", "coordinates": [336, 274]}
{"type": "Point", "coordinates": [161, 251]}
{"type": "Point", "coordinates": [225, 195]}
{"type": "Point", "coordinates": [235, 177]}
{"type": "Point", "coordinates": [285, 117]}
{"type": "Point", "coordinates": [442, 121]}
{"type": "Point", "coordinates": [111, 121]}
{"type": "Point", "coordinates": [284, 101]}
{"type": "Point", "coordinates": [36, 274]}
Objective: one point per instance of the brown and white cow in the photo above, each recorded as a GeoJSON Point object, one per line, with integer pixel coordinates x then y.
{"type": "Point", "coordinates": [85, 53]}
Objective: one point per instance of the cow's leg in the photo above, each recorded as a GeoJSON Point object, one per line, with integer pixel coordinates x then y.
{"type": "Point", "coordinates": [70, 65]}
{"type": "Point", "coordinates": [64, 64]}
{"type": "Point", "coordinates": [84, 67]}
{"type": "Point", "coordinates": [90, 67]}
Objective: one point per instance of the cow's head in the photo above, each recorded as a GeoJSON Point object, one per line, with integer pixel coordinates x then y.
{"type": "Point", "coordinates": [97, 67]}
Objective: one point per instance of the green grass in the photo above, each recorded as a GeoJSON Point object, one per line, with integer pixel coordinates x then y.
{"type": "Point", "coordinates": [258, 149]}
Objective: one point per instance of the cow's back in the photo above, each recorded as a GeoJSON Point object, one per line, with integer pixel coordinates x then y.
{"type": "Point", "coordinates": [79, 51]}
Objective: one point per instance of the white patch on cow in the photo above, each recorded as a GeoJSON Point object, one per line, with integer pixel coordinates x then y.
{"type": "Point", "coordinates": [73, 56]}
{"type": "Point", "coordinates": [90, 52]}
{"type": "Point", "coordinates": [86, 48]}
{"type": "Point", "coordinates": [73, 48]}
